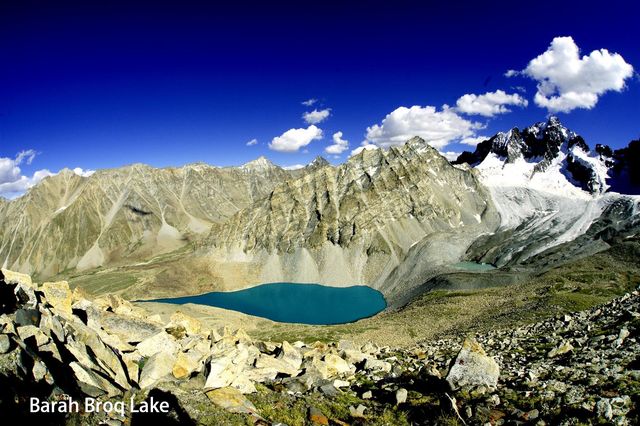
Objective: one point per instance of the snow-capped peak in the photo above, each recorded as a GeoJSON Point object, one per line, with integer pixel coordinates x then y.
{"type": "Point", "coordinates": [543, 148]}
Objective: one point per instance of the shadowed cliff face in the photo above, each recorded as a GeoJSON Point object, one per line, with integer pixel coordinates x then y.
{"type": "Point", "coordinates": [123, 215]}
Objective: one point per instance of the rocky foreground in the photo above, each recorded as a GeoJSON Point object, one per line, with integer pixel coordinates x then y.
{"type": "Point", "coordinates": [56, 346]}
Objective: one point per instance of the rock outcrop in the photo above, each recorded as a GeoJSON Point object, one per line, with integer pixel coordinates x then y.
{"type": "Point", "coordinates": [581, 367]}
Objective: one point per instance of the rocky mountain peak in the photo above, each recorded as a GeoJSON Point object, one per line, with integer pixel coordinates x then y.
{"type": "Point", "coordinates": [318, 162]}
{"type": "Point", "coordinates": [546, 145]}
{"type": "Point", "coordinates": [260, 163]}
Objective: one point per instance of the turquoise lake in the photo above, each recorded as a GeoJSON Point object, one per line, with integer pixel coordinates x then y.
{"type": "Point", "coordinates": [295, 303]}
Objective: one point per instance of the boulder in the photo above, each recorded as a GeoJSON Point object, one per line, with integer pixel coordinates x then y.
{"type": "Point", "coordinates": [58, 295]}
{"type": "Point", "coordinates": [91, 383]}
{"type": "Point", "coordinates": [191, 325]}
{"type": "Point", "coordinates": [90, 350]}
{"type": "Point", "coordinates": [130, 329]}
{"type": "Point", "coordinates": [5, 344]}
{"type": "Point", "coordinates": [329, 390]}
{"type": "Point", "coordinates": [6, 324]}
{"type": "Point", "coordinates": [31, 331]}
{"type": "Point", "coordinates": [27, 317]}
{"type": "Point", "coordinates": [357, 412]}
{"type": "Point", "coordinates": [562, 349]}
{"type": "Point", "coordinates": [39, 370]}
{"type": "Point", "coordinates": [52, 349]}
{"type": "Point", "coordinates": [11, 277]}
{"type": "Point", "coordinates": [156, 368]}
{"type": "Point", "coordinates": [267, 347]}
{"type": "Point", "coordinates": [277, 364]}
{"type": "Point", "coordinates": [232, 400]}
{"type": "Point", "coordinates": [401, 396]}
{"type": "Point", "coordinates": [131, 362]}
{"type": "Point", "coordinates": [336, 365]}
{"type": "Point", "coordinates": [52, 325]}
{"type": "Point", "coordinates": [290, 355]}
{"type": "Point", "coordinates": [353, 356]}
{"type": "Point", "coordinates": [316, 417]}
{"type": "Point", "coordinates": [473, 367]}
{"type": "Point", "coordinates": [161, 341]}
{"type": "Point", "coordinates": [243, 384]}
{"type": "Point", "coordinates": [226, 367]}
{"type": "Point", "coordinates": [186, 364]}
{"type": "Point", "coordinates": [260, 375]}
{"type": "Point", "coordinates": [318, 368]}
{"type": "Point", "coordinates": [26, 295]}
{"type": "Point", "coordinates": [377, 366]}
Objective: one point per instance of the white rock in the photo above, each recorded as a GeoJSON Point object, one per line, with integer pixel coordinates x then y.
{"type": "Point", "coordinates": [473, 367]}
{"type": "Point", "coordinates": [401, 396]}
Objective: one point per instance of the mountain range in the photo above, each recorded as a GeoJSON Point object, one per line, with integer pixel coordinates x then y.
{"type": "Point", "coordinates": [391, 219]}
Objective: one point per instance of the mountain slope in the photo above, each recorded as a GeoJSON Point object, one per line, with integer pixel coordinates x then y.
{"type": "Point", "coordinates": [355, 223]}
{"type": "Point", "coordinates": [124, 214]}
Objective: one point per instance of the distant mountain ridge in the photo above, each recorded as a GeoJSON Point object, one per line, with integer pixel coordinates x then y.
{"type": "Point", "coordinates": [125, 214]}
{"type": "Point", "coordinates": [391, 219]}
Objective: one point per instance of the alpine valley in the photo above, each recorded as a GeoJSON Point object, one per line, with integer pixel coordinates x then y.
{"type": "Point", "coordinates": [556, 223]}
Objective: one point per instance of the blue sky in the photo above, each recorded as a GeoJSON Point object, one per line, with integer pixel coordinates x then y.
{"type": "Point", "coordinates": [167, 83]}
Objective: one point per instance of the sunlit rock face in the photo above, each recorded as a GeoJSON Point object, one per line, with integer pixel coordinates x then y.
{"type": "Point", "coordinates": [125, 214]}
{"type": "Point", "coordinates": [355, 223]}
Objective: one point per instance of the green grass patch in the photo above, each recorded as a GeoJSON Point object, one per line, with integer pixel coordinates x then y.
{"type": "Point", "coordinates": [103, 282]}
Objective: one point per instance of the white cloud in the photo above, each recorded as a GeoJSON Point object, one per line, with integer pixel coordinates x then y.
{"type": "Point", "coordinates": [438, 128]}
{"type": "Point", "coordinates": [339, 145]}
{"type": "Point", "coordinates": [490, 103]}
{"type": "Point", "coordinates": [12, 182]}
{"type": "Point", "coordinates": [309, 102]}
{"type": "Point", "coordinates": [364, 146]}
{"type": "Point", "coordinates": [473, 140]}
{"type": "Point", "coordinates": [315, 116]}
{"type": "Point", "coordinates": [252, 142]}
{"type": "Point", "coordinates": [25, 156]}
{"type": "Point", "coordinates": [450, 155]}
{"type": "Point", "coordinates": [83, 172]}
{"type": "Point", "coordinates": [294, 167]}
{"type": "Point", "coordinates": [294, 139]}
{"type": "Point", "coordinates": [567, 81]}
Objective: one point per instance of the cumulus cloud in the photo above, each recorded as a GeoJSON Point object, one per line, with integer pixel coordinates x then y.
{"type": "Point", "coordinates": [252, 142]}
{"type": "Point", "coordinates": [490, 103]}
{"type": "Point", "coordinates": [339, 145]}
{"type": "Point", "coordinates": [12, 182]}
{"type": "Point", "coordinates": [294, 139]}
{"type": "Point", "coordinates": [315, 116]}
{"type": "Point", "coordinates": [309, 102]}
{"type": "Point", "coordinates": [567, 81]}
{"type": "Point", "coordinates": [364, 146]}
{"type": "Point", "coordinates": [83, 172]}
{"type": "Point", "coordinates": [438, 128]}
{"type": "Point", "coordinates": [473, 140]}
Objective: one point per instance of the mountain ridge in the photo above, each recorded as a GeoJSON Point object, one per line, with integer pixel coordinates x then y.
{"type": "Point", "coordinates": [391, 219]}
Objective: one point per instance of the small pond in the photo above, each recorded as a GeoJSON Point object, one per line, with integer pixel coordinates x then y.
{"type": "Point", "coordinates": [473, 266]}
{"type": "Point", "coordinates": [295, 303]}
